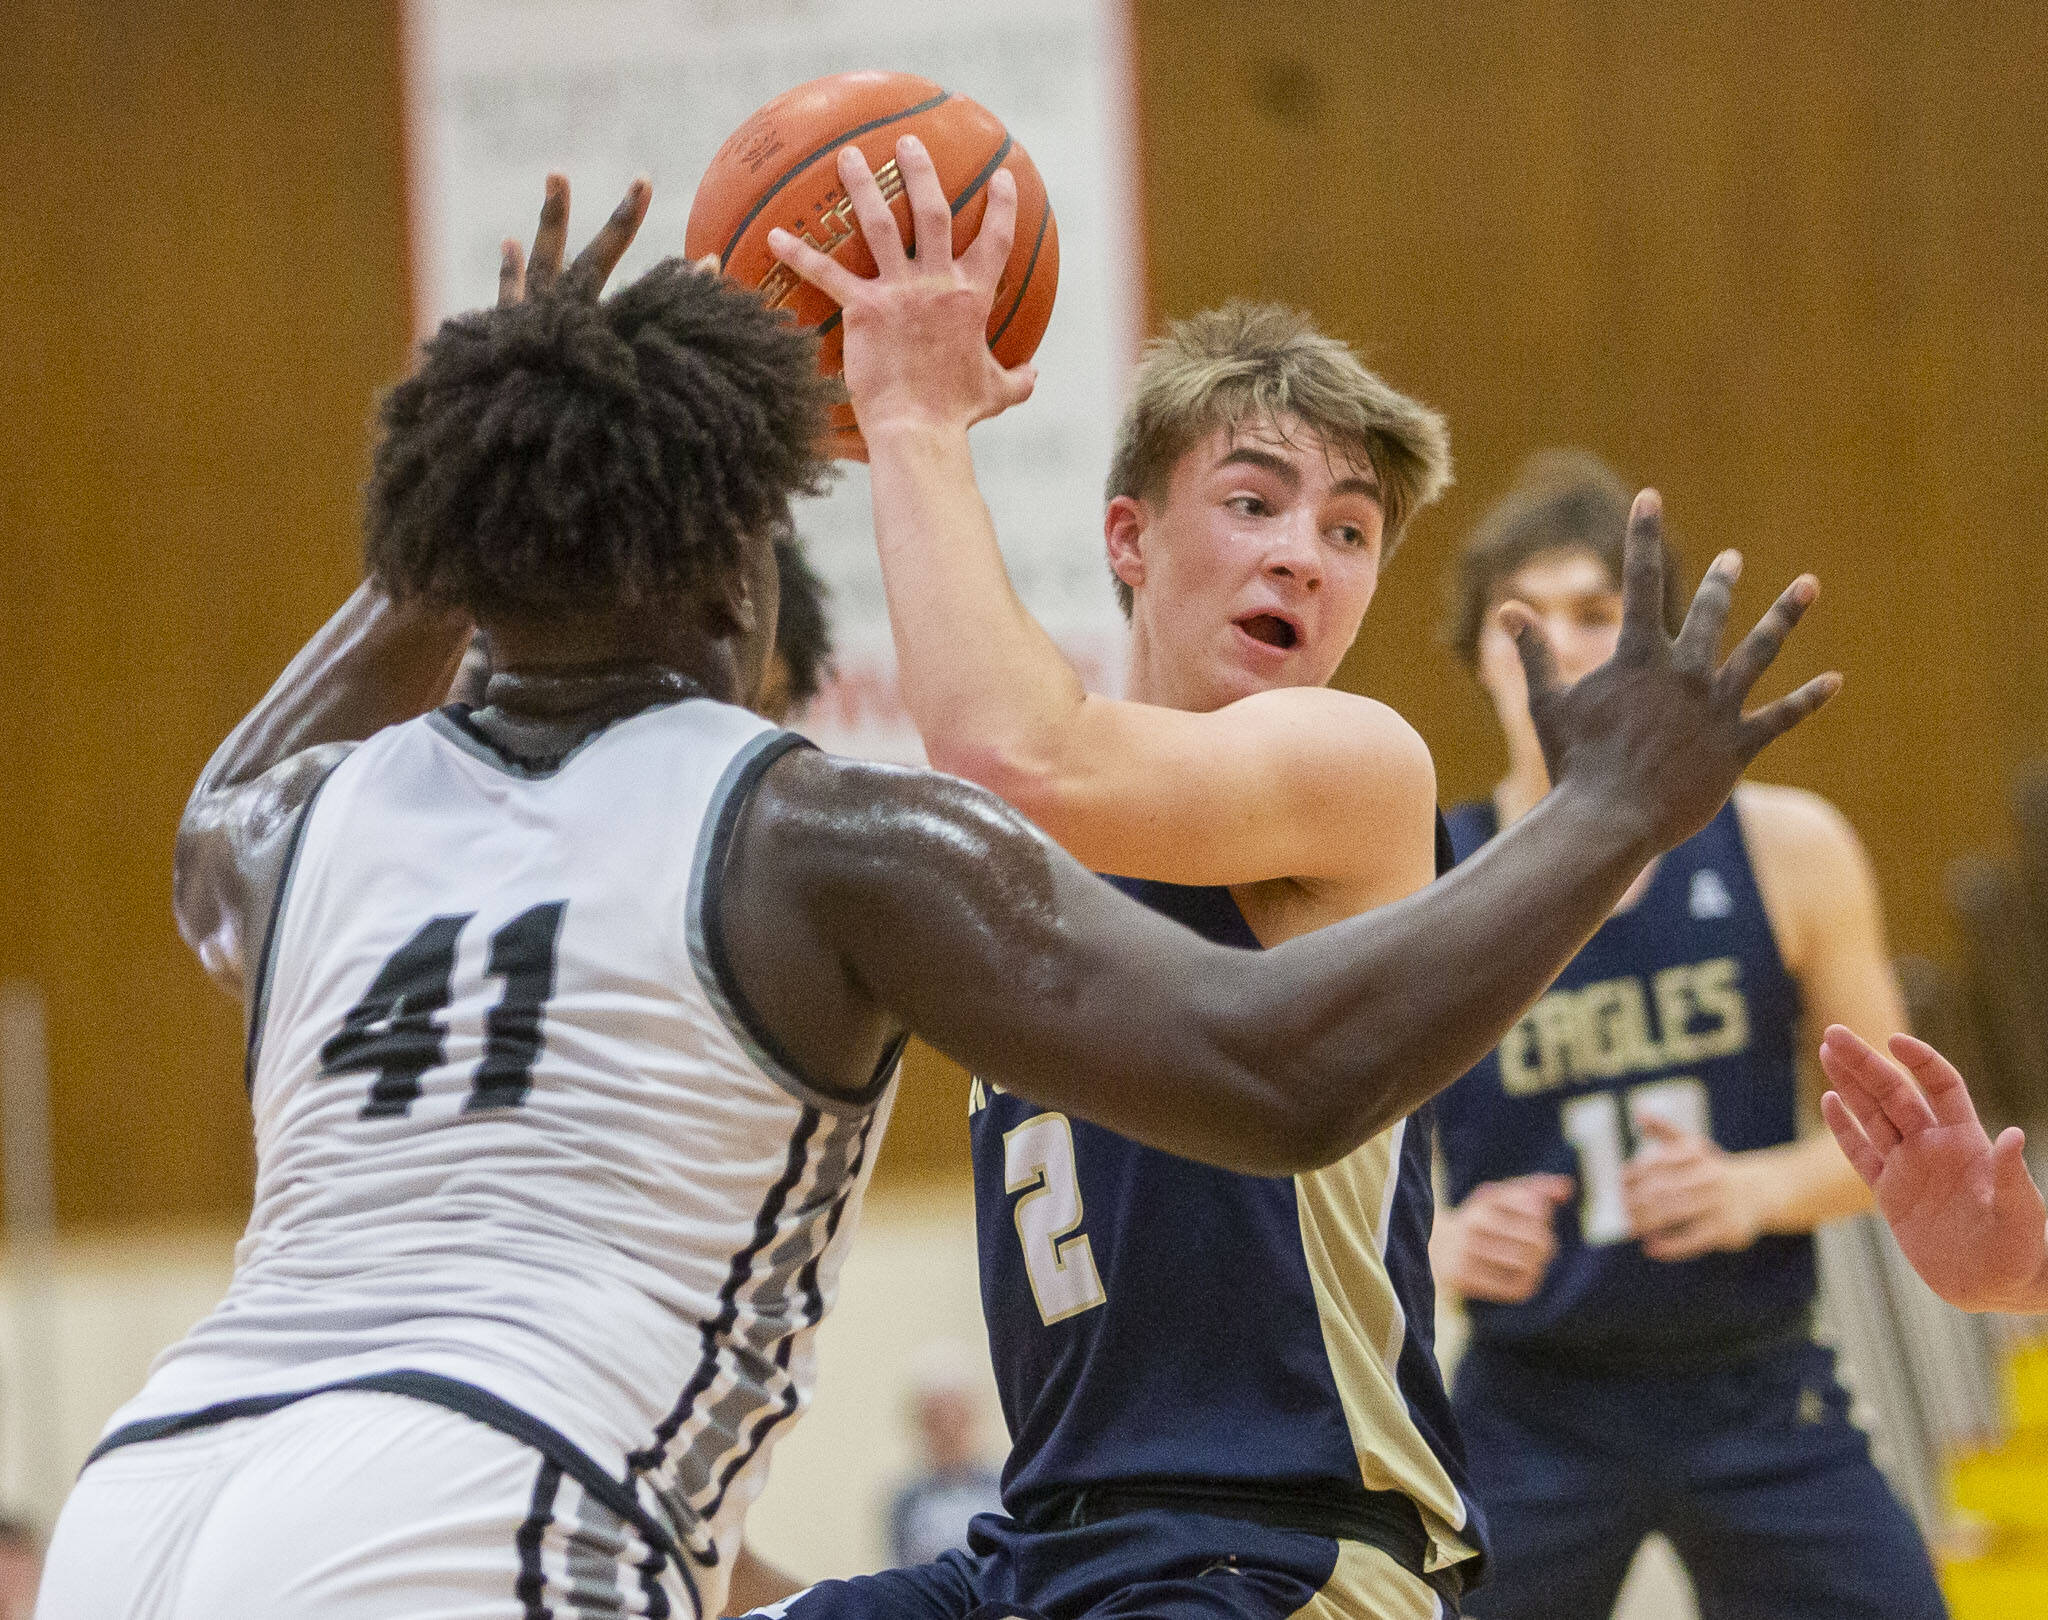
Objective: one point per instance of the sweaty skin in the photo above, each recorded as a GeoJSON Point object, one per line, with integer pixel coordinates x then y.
{"type": "Point", "coordinates": [870, 901]}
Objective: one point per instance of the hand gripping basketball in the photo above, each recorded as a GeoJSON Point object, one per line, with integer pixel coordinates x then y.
{"type": "Point", "coordinates": [917, 354]}
{"type": "Point", "coordinates": [1658, 731]}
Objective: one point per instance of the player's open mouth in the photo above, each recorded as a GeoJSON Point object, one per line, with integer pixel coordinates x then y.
{"type": "Point", "coordinates": [1270, 628]}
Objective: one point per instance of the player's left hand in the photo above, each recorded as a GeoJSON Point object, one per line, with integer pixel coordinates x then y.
{"type": "Point", "coordinates": [520, 276]}
{"type": "Point", "coordinates": [917, 350]}
{"type": "Point", "coordinates": [1687, 1197]}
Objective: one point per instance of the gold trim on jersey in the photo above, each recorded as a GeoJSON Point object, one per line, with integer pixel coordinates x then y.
{"type": "Point", "coordinates": [1344, 1209]}
{"type": "Point", "coordinates": [1368, 1585]}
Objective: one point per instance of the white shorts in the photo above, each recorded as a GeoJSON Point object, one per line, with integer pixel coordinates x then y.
{"type": "Point", "coordinates": [346, 1506]}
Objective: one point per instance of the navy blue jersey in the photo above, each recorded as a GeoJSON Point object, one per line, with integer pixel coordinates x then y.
{"type": "Point", "coordinates": [1152, 1318]}
{"type": "Point", "coordinates": [1679, 1006]}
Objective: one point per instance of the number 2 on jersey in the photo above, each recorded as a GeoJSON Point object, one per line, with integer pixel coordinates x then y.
{"type": "Point", "coordinates": [1592, 1124]}
{"type": "Point", "coordinates": [1038, 1161]}
{"type": "Point", "coordinates": [393, 1030]}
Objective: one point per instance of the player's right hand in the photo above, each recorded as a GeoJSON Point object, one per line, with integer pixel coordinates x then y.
{"type": "Point", "coordinates": [917, 353]}
{"type": "Point", "coordinates": [520, 278]}
{"type": "Point", "coordinates": [1658, 732]}
{"type": "Point", "coordinates": [1498, 1244]}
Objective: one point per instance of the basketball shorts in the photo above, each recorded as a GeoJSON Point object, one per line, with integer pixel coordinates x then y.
{"type": "Point", "coordinates": [346, 1506]}
{"type": "Point", "coordinates": [1154, 1565]}
{"type": "Point", "coordinates": [1755, 1473]}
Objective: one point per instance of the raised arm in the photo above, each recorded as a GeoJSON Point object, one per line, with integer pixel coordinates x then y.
{"type": "Point", "coordinates": [374, 664]}
{"type": "Point", "coordinates": [369, 666]}
{"type": "Point", "coordinates": [1244, 793]}
{"type": "Point", "coordinates": [936, 908]}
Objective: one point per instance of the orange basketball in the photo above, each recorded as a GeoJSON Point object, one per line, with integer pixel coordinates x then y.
{"type": "Point", "coordinates": [778, 169]}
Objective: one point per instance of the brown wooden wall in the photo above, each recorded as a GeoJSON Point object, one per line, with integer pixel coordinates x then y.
{"type": "Point", "coordinates": [1791, 271]}
{"type": "Point", "coordinates": [1787, 263]}
{"type": "Point", "coordinates": [203, 284]}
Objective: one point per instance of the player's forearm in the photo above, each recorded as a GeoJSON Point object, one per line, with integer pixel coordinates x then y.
{"type": "Point", "coordinates": [1804, 1185]}
{"type": "Point", "coordinates": [372, 665]}
{"type": "Point", "coordinates": [986, 686]}
{"type": "Point", "coordinates": [1365, 1021]}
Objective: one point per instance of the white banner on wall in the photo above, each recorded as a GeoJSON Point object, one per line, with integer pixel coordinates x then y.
{"type": "Point", "coordinates": [501, 91]}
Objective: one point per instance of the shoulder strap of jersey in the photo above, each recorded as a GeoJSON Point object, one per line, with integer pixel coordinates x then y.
{"type": "Point", "coordinates": [1467, 826]}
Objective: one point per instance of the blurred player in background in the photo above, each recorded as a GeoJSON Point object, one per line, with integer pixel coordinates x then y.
{"type": "Point", "coordinates": [802, 661]}
{"type": "Point", "coordinates": [930, 1513]}
{"type": "Point", "coordinates": [1634, 1196]}
{"type": "Point", "coordinates": [1964, 1209]}
{"type": "Point", "coordinates": [573, 1017]}
{"type": "Point", "coordinates": [1202, 1371]}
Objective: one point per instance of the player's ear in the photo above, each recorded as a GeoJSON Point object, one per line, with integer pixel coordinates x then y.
{"type": "Point", "coordinates": [727, 607]}
{"type": "Point", "coordinates": [1124, 523]}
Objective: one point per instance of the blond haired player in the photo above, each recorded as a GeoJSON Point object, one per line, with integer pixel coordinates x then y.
{"type": "Point", "coordinates": [1219, 1386]}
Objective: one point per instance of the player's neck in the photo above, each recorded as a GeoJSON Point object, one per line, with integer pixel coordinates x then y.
{"type": "Point", "coordinates": [1151, 676]}
{"type": "Point", "coordinates": [569, 662]}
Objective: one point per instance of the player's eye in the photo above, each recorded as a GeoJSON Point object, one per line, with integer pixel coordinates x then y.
{"type": "Point", "coordinates": [1349, 534]}
{"type": "Point", "coordinates": [1249, 505]}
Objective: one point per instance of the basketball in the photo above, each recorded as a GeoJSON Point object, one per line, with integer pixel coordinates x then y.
{"type": "Point", "coordinates": [778, 169]}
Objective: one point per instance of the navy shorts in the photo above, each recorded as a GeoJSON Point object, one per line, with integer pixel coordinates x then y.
{"type": "Point", "coordinates": [1755, 1473]}
{"type": "Point", "coordinates": [1155, 1565]}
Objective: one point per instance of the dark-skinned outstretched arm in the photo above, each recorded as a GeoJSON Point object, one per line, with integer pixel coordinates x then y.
{"type": "Point", "coordinates": [948, 915]}
{"type": "Point", "coordinates": [961, 922]}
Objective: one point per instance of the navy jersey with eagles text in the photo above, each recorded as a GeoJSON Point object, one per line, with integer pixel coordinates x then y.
{"type": "Point", "coordinates": [1156, 1319]}
{"type": "Point", "coordinates": [1680, 1007]}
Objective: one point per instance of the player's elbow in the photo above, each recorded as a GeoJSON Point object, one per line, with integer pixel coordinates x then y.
{"type": "Point", "coordinates": [1022, 776]}
{"type": "Point", "coordinates": [1287, 1105]}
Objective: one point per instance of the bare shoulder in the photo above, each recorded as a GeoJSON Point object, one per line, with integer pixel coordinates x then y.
{"type": "Point", "coordinates": [233, 846]}
{"type": "Point", "coordinates": [1810, 867]}
{"type": "Point", "coordinates": [1342, 740]}
{"type": "Point", "coordinates": [1789, 824]}
{"type": "Point", "coordinates": [1359, 784]}
{"type": "Point", "coordinates": [823, 822]}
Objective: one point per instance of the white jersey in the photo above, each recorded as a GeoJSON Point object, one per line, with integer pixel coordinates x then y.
{"type": "Point", "coordinates": [521, 1147]}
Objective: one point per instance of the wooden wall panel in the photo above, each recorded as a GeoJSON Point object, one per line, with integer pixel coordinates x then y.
{"type": "Point", "coordinates": [1788, 270]}
{"type": "Point", "coordinates": [205, 284]}
{"type": "Point", "coordinates": [1785, 264]}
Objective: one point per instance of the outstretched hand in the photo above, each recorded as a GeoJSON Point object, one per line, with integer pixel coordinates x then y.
{"type": "Point", "coordinates": [1659, 729]}
{"type": "Point", "coordinates": [519, 275]}
{"type": "Point", "coordinates": [917, 350]}
{"type": "Point", "coordinates": [1962, 1206]}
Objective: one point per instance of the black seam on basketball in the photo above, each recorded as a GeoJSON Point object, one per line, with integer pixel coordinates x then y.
{"type": "Point", "coordinates": [1024, 286]}
{"type": "Point", "coordinates": [802, 164]}
{"type": "Point", "coordinates": [830, 323]}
